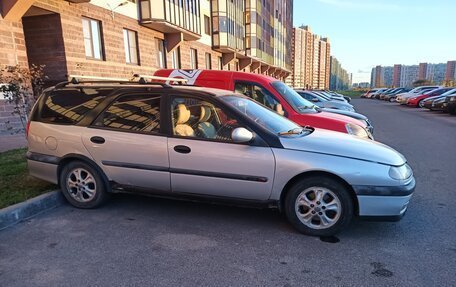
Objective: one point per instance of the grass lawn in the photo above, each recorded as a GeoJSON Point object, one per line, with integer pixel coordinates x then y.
{"type": "Point", "coordinates": [351, 93]}
{"type": "Point", "coordinates": [16, 185]}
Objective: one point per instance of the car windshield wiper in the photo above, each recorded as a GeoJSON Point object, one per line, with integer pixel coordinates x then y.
{"type": "Point", "coordinates": [296, 131]}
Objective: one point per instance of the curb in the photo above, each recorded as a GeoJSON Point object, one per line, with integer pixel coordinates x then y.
{"type": "Point", "coordinates": [18, 212]}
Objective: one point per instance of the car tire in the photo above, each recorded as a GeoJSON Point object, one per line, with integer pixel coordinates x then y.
{"type": "Point", "coordinates": [83, 185]}
{"type": "Point", "coordinates": [318, 206]}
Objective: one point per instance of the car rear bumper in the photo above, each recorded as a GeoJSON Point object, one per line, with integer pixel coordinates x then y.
{"type": "Point", "coordinates": [387, 202]}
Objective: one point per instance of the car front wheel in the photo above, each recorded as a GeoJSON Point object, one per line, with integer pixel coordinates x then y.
{"type": "Point", "coordinates": [319, 206]}
{"type": "Point", "coordinates": [82, 185]}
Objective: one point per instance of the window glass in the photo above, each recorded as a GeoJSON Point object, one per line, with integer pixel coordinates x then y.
{"type": "Point", "coordinates": [133, 113]}
{"type": "Point", "coordinates": [261, 115]}
{"type": "Point", "coordinates": [131, 46]}
{"type": "Point", "coordinates": [69, 106]}
{"type": "Point", "coordinates": [200, 119]}
{"type": "Point", "coordinates": [161, 53]}
{"type": "Point", "coordinates": [258, 93]}
{"type": "Point", "coordinates": [176, 58]}
{"type": "Point", "coordinates": [193, 58]}
{"type": "Point", "coordinates": [92, 38]}
{"type": "Point", "coordinates": [207, 25]}
{"type": "Point", "coordinates": [298, 103]}
{"type": "Point", "coordinates": [208, 61]}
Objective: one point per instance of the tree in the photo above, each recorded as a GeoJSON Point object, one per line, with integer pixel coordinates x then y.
{"type": "Point", "coordinates": [422, 82]}
{"type": "Point", "coordinates": [21, 86]}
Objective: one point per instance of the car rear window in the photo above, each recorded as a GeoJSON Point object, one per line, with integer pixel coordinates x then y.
{"type": "Point", "coordinates": [69, 106]}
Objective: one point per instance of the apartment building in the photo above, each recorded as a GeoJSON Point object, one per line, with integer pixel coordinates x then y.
{"type": "Point", "coordinates": [404, 75]}
{"type": "Point", "coordinates": [116, 38]}
{"type": "Point", "coordinates": [340, 79]}
{"type": "Point", "coordinates": [311, 60]}
{"type": "Point", "coordinates": [302, 58]}
{"type": "Point", "coordinates": [450, 71]}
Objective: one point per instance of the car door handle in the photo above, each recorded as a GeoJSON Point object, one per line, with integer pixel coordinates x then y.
{"type": "Point", "coordinates": [97, 140]}
{"type": "Point", "coordinates": [182, 149]}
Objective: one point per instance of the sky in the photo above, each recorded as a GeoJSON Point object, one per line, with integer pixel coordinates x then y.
{"type": "Point", "coordinates": [366, 33]}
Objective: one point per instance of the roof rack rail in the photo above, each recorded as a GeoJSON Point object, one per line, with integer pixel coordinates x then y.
{"type": "Point", "coordinates": [76, 79]}
{"type": "Point", "coordinates": [146, 77]}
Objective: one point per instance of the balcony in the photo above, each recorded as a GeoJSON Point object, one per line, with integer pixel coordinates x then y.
{"type": "Point", "coordinates": [172, 17]}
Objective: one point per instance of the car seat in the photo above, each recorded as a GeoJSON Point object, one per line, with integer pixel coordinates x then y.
{"type": "Point", "coordinates": [205, 128]}
{"type": "Point", "coordinates": [182, 116]}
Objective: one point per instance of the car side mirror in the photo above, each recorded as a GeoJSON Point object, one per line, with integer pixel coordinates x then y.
{"type": "Point", "coordinates": [241, 135]}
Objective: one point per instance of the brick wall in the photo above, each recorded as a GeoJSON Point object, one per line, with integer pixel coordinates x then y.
{"type": "Point", "coordinates": [45, 44]}
{"type": "Point", "coordinates": [12, 52]}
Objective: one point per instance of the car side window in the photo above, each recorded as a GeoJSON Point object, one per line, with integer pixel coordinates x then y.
{"type": "Point", "coordinates": [197, 118]}
{"type": "Point", "coordinates": [259, 94]}
{"type": "Point", "coordinates": [140, 113]}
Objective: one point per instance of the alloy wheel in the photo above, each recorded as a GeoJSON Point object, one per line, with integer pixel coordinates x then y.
{"type": "Point", "coordinates": [318, 207]}
{"type": "Point", "coordinates": [81, 185]}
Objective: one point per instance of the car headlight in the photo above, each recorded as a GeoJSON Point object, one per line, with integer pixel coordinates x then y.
{"type": "Point", "coordinates": [357, 131]}
{"type": "Point", "coordinates": [400, 172]}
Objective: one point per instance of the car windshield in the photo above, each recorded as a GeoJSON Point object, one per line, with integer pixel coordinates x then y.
{"type": "Point", "coordinates": [263, 116]}
{"type": "Point", "coordinates": [298, 103]}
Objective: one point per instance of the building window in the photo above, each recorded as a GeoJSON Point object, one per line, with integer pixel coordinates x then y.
{"type": "Point", "coordinates": [175, 57]}
{"type": "Point", "coordinates": [161, 55]}
{"type": "Point", "coordinates": [92, 38]}
{"type": "Point", "coordinates": [208, 61]}
{"type": "Point", "coordinates": [131, 46]}
{"type": "Point", "coordinates": [207, 25]}
{"type": "Point", "coordinates": [220, 63]}
{"type": "Point", "coordinates": [193, 58]}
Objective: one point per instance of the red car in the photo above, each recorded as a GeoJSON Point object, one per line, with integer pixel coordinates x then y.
{"type": "Point", "coordinates": [272, 93]}
{"type": "Point", "coordinates": [416, 100]}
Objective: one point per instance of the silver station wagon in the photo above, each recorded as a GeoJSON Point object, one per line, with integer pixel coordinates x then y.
{"type": "Point", "coordinates": [98, 137]}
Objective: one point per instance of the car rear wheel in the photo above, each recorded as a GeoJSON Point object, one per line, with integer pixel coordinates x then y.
{"type": "Point", "coordinates": [319, 206]}
{"type": "Point", "coordinates": [82, 185]}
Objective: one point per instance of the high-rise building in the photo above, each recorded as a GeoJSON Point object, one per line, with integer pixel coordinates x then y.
{"type": "Point", "coordinates": [450, 72]}
{"type": "Point", "coordinates": [310, 60]}
{"type": "Point", "coordinates": [409, 74]}
{"type": "Point", "coordinates": [340, 79]}
{"type": "Point", "coordinates": [422, 71]}
{"type": "Point", "coordinates": [396, 76]}
{"type": "Point", "coordinates": [436, 73]}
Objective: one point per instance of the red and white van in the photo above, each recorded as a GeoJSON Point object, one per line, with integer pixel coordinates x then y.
{"type": "Point", "coordinates": [273, 94]}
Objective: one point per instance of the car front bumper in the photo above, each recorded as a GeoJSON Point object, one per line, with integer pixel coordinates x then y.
{"type": "Point", "coordinates": [384, 202]}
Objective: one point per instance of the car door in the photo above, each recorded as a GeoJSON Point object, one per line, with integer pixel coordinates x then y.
{"type": "Point", "coordinates": [127, 143]}
{"type": "Point", "coordinates": [205, 161]}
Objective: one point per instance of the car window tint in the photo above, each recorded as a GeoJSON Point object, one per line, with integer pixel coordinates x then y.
{"type": "Point", "coordinates": [200, 119]}
{"type": "Point", "coordinates": [139, 113]}
{"type": "Point", "coordinates": [69, 106]}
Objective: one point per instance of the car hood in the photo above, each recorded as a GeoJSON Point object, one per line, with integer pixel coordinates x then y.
{"type": "Point", "coordinates": [345, 119]}
{"type": "Point", "coordinates": [344, 145]}
{"type": "Point", "coordinates": [346, 113]}
{"type": "Point", "coordinates": [336, 103]}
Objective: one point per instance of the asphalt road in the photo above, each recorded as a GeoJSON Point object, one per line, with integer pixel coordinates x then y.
{"type": "Point", "coordinates": [141, 241]}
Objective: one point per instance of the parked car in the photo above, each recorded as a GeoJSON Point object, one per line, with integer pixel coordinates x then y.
{"type": "Point", "coordinates": [273, 94]}
{"type": "Point", "coordinates": [323, 101]}
{"type": "Point", "coordinates": [369, 93]}
{"type": "Point", "coordinates": [209, 144]}
{"type": "Point", "coordinates": [347, 98]}
{"type": "Point", "coordinates": [319, 100]}
{"type": "Point", "coordinates": [373, 95]}
{"type": "Point", "coordinates": [428, 103]}
{"type": "Point", "coordinates": [392, 96]}
{"type": "Point", "coordinates": [451, 106]}
{"type": "Point", "coordinates": [416, 100]}
{"type": "Point", "coordinates": [377, 96]}
{"type": "Point", "coordinates": [402, 98]}
{"type": "Point", "coordinates": [382, 95]}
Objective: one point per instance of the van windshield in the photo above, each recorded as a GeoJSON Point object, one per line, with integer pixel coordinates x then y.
{"type": "Point", "coordinates": [298, 103]}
